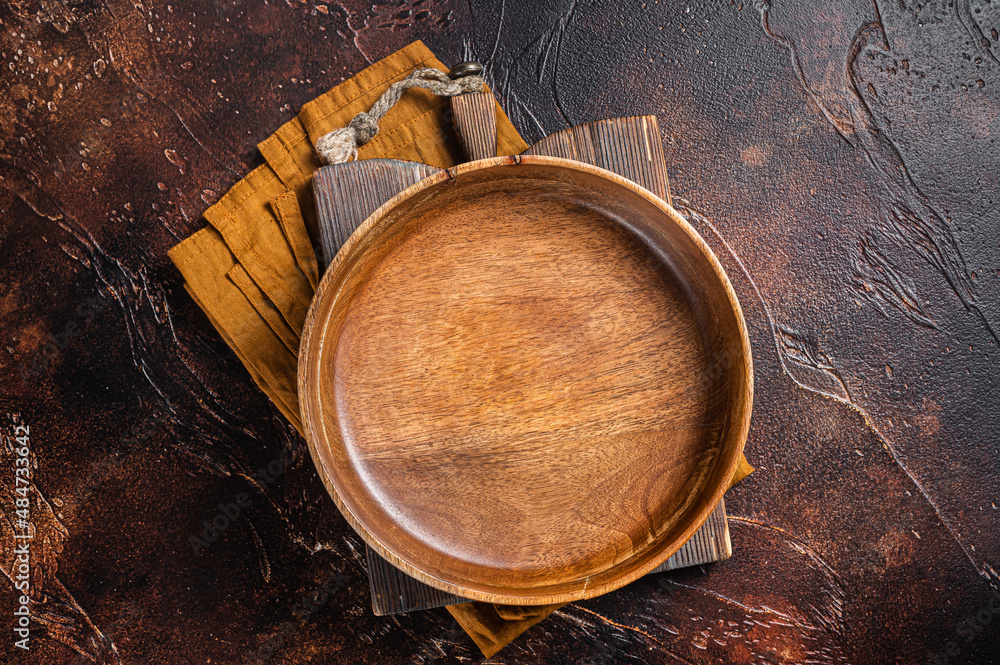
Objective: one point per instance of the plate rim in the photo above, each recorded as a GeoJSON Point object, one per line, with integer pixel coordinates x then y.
{"type": "Point", "coordinates": [311, 347]}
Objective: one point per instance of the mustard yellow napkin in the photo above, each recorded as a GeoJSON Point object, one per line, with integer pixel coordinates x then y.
{"type": "Point", "coordinates": [253, 269]}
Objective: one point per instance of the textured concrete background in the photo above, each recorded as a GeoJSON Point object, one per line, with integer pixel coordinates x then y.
{"type": "Point", "coordinates": [840, 158]}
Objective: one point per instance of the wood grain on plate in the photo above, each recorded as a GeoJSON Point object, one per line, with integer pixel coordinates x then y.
{"type": "Point", "coordinates": [530, 382]}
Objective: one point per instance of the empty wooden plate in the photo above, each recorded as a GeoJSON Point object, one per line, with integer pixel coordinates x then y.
{"type": "Point", "coordinates": [525, 380]}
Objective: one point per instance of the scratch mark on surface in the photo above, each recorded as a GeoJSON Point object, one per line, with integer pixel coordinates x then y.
{"type": "Point", "coordinates": [928, 234]}
{"type": "Point", "coordinates": [348, 17]}
{"type": "Point", "coordinates": [187, 128]}
{"type": "Point", "coordinates": [880, 282]}
{"type": "Point", "coordinates": [523, 109]}
{"type": "Point", "coordinates": [963, 10]}
{"type": "Point", "coordinates": [911, 219]}
{"type": "Point", "coordinates": [797, 542]}
{"type": "Point", "coordinates": [814, 365]}
{"type": "Point", "coordinates": [622, 626]}
{"type": "Point", "coordinates": [792, 622]}
{"type": "Point", "coordinates": [561, 27]}
{"type": "Point", "coordinates": [26, 186]}
{"type": "Point", "coordinates": [684, 207]}
{"type": "Point", "coordinates": [844, 128]}
{"type": "Point", "coordinates": [265, 565]}
{"type": "Point", "coordinates": [496, 42]}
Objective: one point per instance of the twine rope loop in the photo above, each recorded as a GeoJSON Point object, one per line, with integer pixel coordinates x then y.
{"type": "Point", "coordinates": [341, 145]}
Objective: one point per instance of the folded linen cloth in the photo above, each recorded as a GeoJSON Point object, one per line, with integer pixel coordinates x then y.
{"type": "Point", "coordinates": [253, 270]}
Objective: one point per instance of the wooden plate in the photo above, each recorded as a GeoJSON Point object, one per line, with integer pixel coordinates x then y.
{"type": "Point", "coordinates": [525, 380]}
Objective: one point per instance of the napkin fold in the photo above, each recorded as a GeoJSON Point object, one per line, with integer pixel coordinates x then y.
{"type": "Point", "coordinates": [253, 270]}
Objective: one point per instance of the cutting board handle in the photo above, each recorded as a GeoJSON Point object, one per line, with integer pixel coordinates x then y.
{"type": "Point", "coordinates": [475, 117]}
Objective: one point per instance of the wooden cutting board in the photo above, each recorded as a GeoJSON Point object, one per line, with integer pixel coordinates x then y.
{"type": "Point", "coordinates": [348, 193]}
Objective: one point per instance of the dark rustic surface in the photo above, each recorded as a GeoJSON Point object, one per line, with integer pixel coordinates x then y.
{"type": "Point", "coordinates": [841, 159]}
